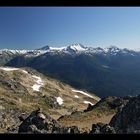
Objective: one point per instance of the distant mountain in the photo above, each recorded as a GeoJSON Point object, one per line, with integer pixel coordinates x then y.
{"type": "Point", "coordinates": [105, 71]}
{"type": "Point", "coordinates": [75, 48]}
{"type": "Point", "coordinates": [72, 49]}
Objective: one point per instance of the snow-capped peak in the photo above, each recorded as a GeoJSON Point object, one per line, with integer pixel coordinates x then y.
{"type": "Point", "coordinates": [112, 49]}
{"type": "Point", "coordinates": [73, 49]}
{"type": "Point", "coordinates": [77, 47]}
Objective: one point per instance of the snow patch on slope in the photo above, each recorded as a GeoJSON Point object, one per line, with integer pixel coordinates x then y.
{"type": "Point", "coordinates": [38, 84]}
{"type": "Point", "coordinates": [59, 100]}
{"type": "Point", "coordinates": [76, 96]}
{"type": "Point", "coordinates": [25, 71]}
{"type": "Point", "coordinates": [59, 49]}
{"type": "Point", "coordinates": [87, 102]}
{"type": "Point", "coordinates": [12, 69]}
{"type": "Point", "coordinates": [82, 92]}
{"type": "Point", "coordinates": [8, 68]}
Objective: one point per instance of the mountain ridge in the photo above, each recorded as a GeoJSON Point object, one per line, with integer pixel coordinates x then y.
{"type": "Point", "coordinates": [74, 48]}
{"type": "Point", "coordinates": [103, 71]}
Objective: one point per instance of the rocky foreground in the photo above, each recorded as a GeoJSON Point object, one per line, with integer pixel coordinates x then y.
{"type": "Point", "coordinates": [126, 120]}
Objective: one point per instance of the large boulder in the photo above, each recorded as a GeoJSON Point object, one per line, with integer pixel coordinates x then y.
{"type": "Point", "coordinates": [107, 103]}
{"type": "Point", "coordinates": [38, 122]}
{"type": "Point", "coordinates": [127, 120]}
{"type": "Point", "coordinates": [101, 128]}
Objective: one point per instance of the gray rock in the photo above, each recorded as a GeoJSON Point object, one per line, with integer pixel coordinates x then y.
{"type": "Point", "coordinates": [33, 129]}
{"type": "Point", "coordinates": [107, 129]}
{"type": "Point", "coordinates": [38, 122]}
{"type": "Point", "coordinates": [128, 119]}
{"type": "Point", "coordinates": [22, 117]}
{"type": "Point", "coordinates": [101, 128]}
{"type": "Point", "coordinates": [110, 102]}
{"type": "Point", "coordinates": [51, 101]}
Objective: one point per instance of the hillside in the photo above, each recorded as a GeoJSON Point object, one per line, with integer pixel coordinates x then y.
{"type": "Point", "coordinates": [23, 90]}
{"type": "Point", "coordinates": [34, 103]}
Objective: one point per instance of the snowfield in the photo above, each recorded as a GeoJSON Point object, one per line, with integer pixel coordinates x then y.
{"type": "Point", "coordinates": [76, 96]}
{"type": "Point", "coordinates": [8, 69]}
{"type": "Point", "coordinates": [36, 87]}
{"type": "Point", "coordinates": [77, 47]}
{"type": "Point", "coordinates": [25, 71]}
{"type": "Point", "coordinates": [87, 102]}
{"type": "Point", "coordinates": [38, 84]}
{"type": "Point", "coordinates": [82, 92]}
{"type": "Point", "coordinates": [58, 49]}
{"type": "Point", "coordinates": [59, 100]}
{"type": "Point", "coordinates": [12, 69]}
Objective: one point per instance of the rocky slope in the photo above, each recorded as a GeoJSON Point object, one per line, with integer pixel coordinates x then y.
{"type": "Point", "coordinates": [38, 122]}
{"type": "Point", "coordinates": [102, 111]}
{"type": "Point", "coordinates": [22, 90]}
{"type": "Point", "coordinates": [127, 120]}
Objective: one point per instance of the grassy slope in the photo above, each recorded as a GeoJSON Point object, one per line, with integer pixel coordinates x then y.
{"type": "Point", "coordinates": [84, 120]}
{"type": "Point", "coordinates": [13, 100]}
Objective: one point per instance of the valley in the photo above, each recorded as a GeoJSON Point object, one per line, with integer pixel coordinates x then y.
{"type": "Point", "coordinates": [105, 71]}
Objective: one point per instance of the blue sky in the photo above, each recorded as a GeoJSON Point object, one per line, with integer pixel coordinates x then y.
{"type": "Point", "coordinates": [34, 27]}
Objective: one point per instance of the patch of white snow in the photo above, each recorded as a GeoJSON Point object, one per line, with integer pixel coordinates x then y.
{"type": "Point", "coordinates": [59, 48]}
{"type": "Point", "coordinates": [8, 69]}
{"type": "Point", "coordinates": [82, 92]}
{"type": "Point", "coordinates": [38, 84]}
{"type": "Point", "coordinates": [25, 71]}
{"type": "Point", "coordinates": [12, 69]}
{"type": "Point", "coordinates": [87, 102]}
{"type": "Point", "coordinates": [76, 96]}
{"type": "Point", "coordinates": [36, 87]}
{"type": "Point", "coordinates": [59, 100]}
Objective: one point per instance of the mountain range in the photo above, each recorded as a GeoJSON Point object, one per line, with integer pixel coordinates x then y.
{"type": "Point", "coordinates": [74, 49]}
{"type": "Point", "coordinates": [103, 71]}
